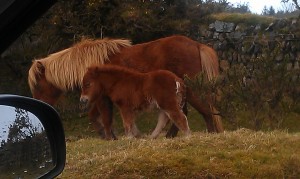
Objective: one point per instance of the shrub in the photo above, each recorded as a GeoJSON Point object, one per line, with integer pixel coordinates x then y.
{"type": "Point", "coordinates": [258, 95]}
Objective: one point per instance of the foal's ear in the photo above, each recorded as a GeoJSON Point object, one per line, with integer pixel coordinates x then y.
{"type": "Point", "coordinates": [93, 70]}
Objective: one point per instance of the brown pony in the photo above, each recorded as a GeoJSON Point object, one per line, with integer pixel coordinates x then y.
{"type": "Point", "coordinates": [64, 70]}
{"type": "Point", "coordinates": [133, 91]}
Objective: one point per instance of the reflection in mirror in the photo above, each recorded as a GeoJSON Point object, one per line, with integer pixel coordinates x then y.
{"type": "Point", "coordinates": [24, 147]}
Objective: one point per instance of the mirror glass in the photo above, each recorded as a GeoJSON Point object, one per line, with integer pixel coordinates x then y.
{"type": "Point", "coordinates": [25, 150]}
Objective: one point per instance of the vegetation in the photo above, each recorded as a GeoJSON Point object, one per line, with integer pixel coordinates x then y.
{"type": "Point", "coordinates": [246, 19]}
{"type": "Point", "coordinates": [261, 94]}
{"type": "Point", "coordinates": [239, 154]}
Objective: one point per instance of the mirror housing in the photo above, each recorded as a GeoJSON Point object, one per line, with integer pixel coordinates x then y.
{"type": "Point", "coordinates": [51, 122]}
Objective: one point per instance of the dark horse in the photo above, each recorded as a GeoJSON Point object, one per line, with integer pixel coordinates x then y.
{"type": "Point", "coordinates": [63, 71]}
{"type": "Point", "coordinates": [132, 92]}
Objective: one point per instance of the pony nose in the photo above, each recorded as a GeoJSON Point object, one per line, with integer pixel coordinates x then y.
{"type": "Point", "coordinates": [83, 104]}
{"type": "Point", "coordinates": [83, 100]}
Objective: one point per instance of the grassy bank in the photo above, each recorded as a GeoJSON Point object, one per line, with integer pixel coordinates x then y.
{"type": "Point", "coordinates": [239, 154]}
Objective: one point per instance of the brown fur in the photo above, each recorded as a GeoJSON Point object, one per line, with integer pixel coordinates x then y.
{"type": "Point", "coordinates": [177, 54]}
{"type": "Point", "coordinates": [132, 91]}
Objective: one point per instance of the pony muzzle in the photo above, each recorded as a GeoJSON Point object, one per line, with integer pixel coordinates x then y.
{"type": "Point", "coordinates": [84, 100]}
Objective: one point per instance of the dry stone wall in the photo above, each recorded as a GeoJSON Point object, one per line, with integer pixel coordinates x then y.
{"type": "Point", "coordinates": [236, 44]}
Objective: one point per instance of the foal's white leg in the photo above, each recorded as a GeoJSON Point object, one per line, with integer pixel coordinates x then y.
{"type": "Point", "coordinates": [135, 130]}
{"type": "Point", "coordinates": [161, 123]}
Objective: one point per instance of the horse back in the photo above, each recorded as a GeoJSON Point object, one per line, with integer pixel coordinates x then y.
{"type": "Point", "coordinates": [178, 54]}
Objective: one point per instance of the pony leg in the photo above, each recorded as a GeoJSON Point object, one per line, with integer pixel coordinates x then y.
{"type": "Point", "coordinates": [130, 127]}
{"type": "Point", "coordinates": [161, 123]}
{"type": "Point", "coordinates": [135, 130]}
{"type": "Point", "coordinates": [213, 121]}
{"type": "Point", "coordinates": [180, 121]}
{"type": "Point", "coordinates": [105, 117]}
{"type": "Point", "coordinates": [173, 131]}
{"type": "Point", "coordinates": [94, 118]}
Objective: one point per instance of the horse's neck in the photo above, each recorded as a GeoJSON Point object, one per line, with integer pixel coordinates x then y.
{"type": "Point", "coordinates": [115, 59]}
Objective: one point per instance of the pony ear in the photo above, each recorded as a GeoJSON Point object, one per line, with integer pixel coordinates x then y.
{"type": "Point", "coordinates": [40, 66]}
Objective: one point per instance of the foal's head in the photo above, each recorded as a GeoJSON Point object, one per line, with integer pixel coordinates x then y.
{"type": "Point", "coordinates": [91, 87]}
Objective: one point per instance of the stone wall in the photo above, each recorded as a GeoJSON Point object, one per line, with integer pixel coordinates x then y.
{"type": "Point", "coordinates": [237, 44]}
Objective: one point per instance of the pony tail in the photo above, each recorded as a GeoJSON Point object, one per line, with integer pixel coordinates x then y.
{"type": "Point", "coordinates": [209, 61]}
{"type": "Point", "coordinates": [210, 65]}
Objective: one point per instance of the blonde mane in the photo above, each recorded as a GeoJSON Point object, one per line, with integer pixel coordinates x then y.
{"type": "Point", "coordinates": [65, 69]}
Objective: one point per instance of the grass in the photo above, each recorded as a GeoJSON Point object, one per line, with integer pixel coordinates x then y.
{"type": "Point", "coordinates": [248, 19]}
{"type": "Point", "coordinates": [239, 154]}
{"type": "Point", "coordinates": [234, 154]}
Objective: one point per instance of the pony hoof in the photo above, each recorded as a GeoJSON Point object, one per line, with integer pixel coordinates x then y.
{"type": "Point", "coordinates": [153, 137]}
{"type": "Point", "coordinates": [101, 135]}
{"type": "Point", "coordinates": [171, 135]}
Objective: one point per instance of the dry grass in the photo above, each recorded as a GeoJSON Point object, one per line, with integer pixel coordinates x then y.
{"type": "Point", "coordinates": [239, 154]}
{"type": "Point", "coordinates": [247, 19]}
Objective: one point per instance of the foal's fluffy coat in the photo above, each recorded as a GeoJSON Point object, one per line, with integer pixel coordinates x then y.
{"type": "Point", "coordinates": [132, 91]}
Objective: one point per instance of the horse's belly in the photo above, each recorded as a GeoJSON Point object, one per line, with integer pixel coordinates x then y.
{"type": "Point", "coordinates": [147, 106]}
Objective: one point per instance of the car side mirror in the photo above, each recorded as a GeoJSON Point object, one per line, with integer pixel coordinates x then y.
{"type": "Point", "coordinates": [32, 140]}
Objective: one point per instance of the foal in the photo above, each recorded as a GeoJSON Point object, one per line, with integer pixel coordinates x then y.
{"type": "Point", "coordinates": [132, 91]}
